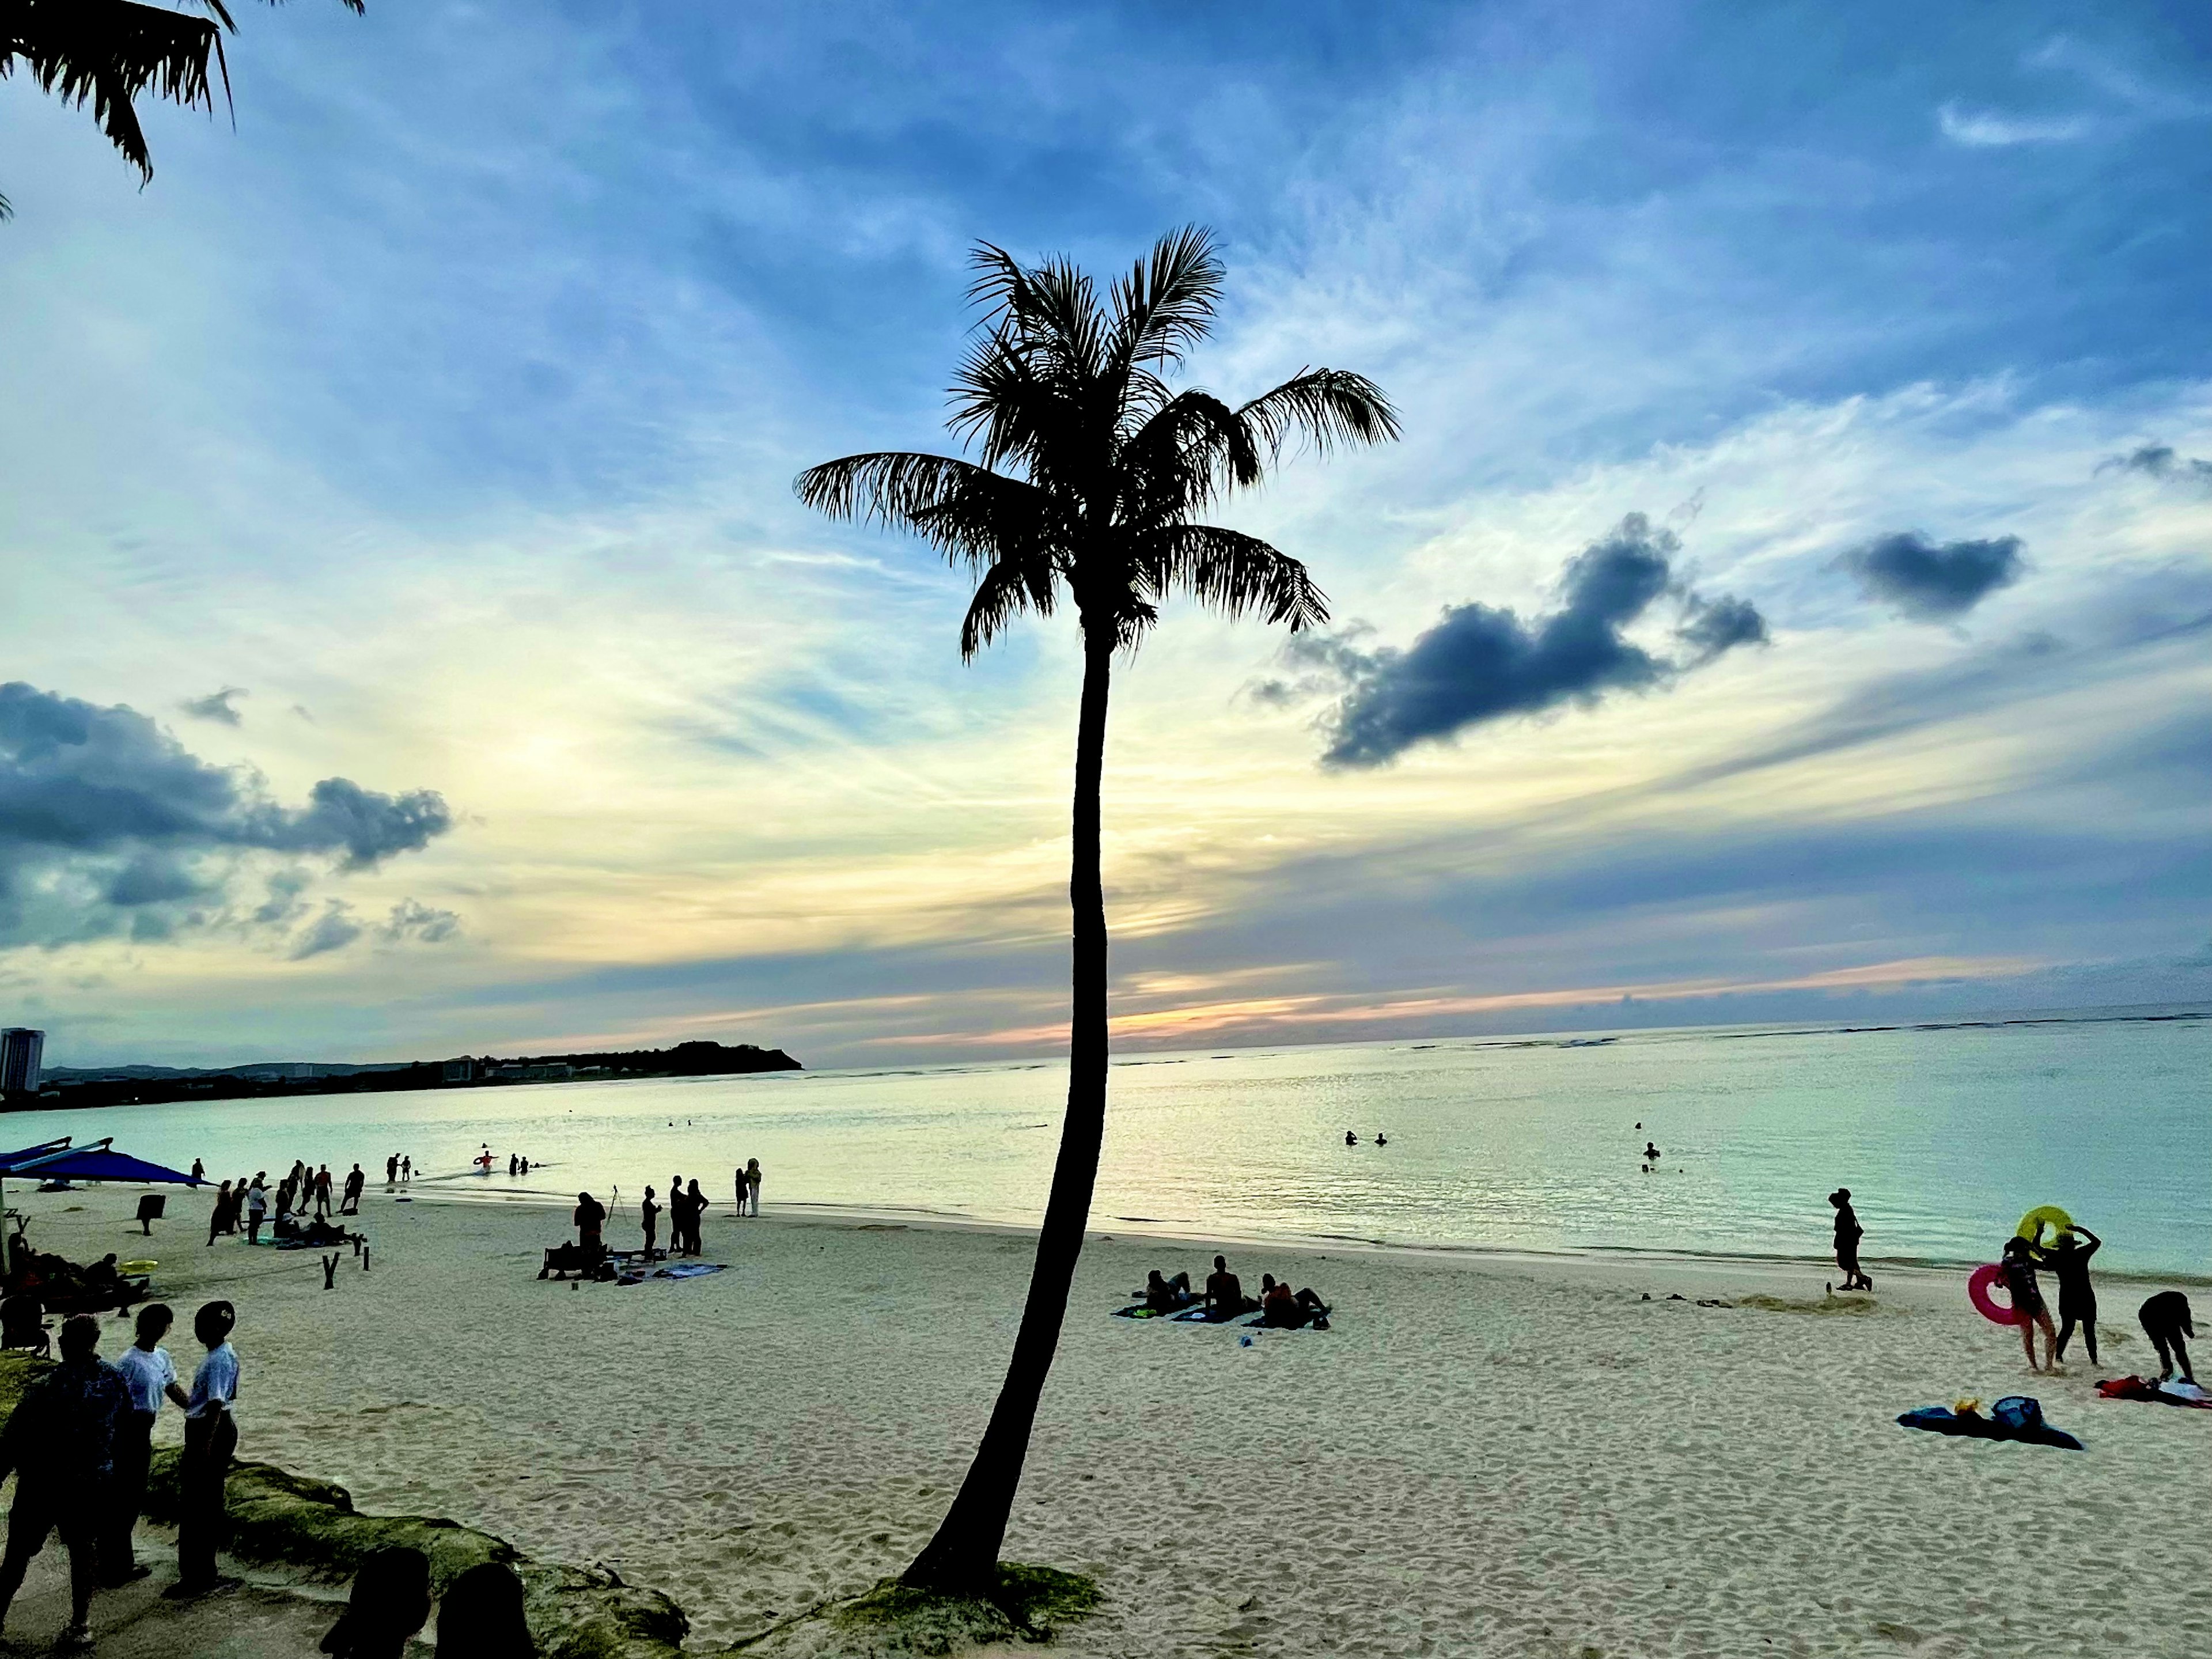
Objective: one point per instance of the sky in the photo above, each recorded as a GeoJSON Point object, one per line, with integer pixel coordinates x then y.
{"type": "Point", "coordinates": [1790, 599]}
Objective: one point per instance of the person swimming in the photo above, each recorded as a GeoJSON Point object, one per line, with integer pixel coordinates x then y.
{"type": "Point", "coordinates": [1650, 1153]}
{"type": "Point", "coordinates": [1350, 1139]}
{"type": "Point", "coordinates": [1380, 1139]}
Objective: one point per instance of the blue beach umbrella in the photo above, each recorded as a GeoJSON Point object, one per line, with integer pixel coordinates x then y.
{"type": "Point", "coordinates": [57, 1160]}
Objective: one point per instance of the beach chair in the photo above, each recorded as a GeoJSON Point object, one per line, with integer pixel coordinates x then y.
{"type": "Point", "coordinates": [23, 1324]}
{"type": "Point", "coordinates": [151, 1208]}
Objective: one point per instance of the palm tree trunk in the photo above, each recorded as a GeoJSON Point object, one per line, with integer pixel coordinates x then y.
{"type": "Point", "coordinates": [964, 1556]}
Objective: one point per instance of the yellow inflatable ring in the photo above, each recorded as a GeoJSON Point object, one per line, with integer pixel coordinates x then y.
{"type": "Point", "coordinates": [2045, 1215]}
{"type": "Point", "coordinates": [136, 1266]}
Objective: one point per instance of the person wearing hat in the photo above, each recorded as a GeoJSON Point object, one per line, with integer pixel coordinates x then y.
{"type": "Point", "coordinates": [1848, 1234]}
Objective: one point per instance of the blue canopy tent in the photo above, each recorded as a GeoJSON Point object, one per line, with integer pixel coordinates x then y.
{"type": "Point", "coordinates": [58, 1160]}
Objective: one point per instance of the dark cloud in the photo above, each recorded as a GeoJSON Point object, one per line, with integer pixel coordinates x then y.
{"type": "Point", "coordinates": [110, 825]}
{"type": "Point", "coordinates": [333, 930]}
{"type": "Point", "coordinates": [216, 705]}
{"type": "Point", "coordinates": [412, 919]}
{"type": "Point", "coordinates": [1481, 663]}
{"type": "Point", "coordinates": [1931, 582]}
{"type": "Point", "coordinates": [2158, 461]}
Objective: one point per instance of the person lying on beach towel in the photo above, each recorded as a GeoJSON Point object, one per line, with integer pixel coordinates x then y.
{"type": "Point", "coordinates": [1281, 1310]}
{"type": "Point", "coordinates": [1167, 1296]}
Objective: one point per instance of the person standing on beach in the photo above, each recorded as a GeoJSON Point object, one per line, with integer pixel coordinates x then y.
{"type": "Point", "coordinates": [210, 1437]}
{"type": "Point", "coordinates": [219, 1217]}
{"type": "Point", "coordinates": [648, 1213]}
{"type": "Point", "coordinates": [2077, 1297]}
{"type": "Point", "coordinates": [391, 1170]}
{"type": "Point", "coordinates": [2019, 1266]}
{"type": "Point", "coordinates": [60, 1445]}
{"type": "Point", "coordinates": [151, 1377]}
{"type": "Point", "coordinates": [407, 1169]}
{"type": "Point", "coordinates": [199, 1170]}
{"type": "Point", "coordinates": [678, 1223]}
{"type": "Point", "coordinates": [353, 1182]}
{"type": "Point", "coordinates": [257, 1209]}
{"type": "Point", "coordinates": [696, 1202]}
{"type": "Point", "coordinates": [1848, 1234]}
{"type": "Point", "coordinates": [752, 1183]}
{"type": "Point", "coordinates": [322, 1192]}
{"type": "Point", "coordinates": [590, 1224]}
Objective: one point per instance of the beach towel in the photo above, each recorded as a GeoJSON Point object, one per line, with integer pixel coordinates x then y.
{"type": "Point", "coordinates": [1200, 1316]}
{"type": "Point", "coordinates": [2017, 1417]}
{"type": "Point", "coordinates": [2170, 1392]}
{"type": "Point", "coordinates": [688, 1270]}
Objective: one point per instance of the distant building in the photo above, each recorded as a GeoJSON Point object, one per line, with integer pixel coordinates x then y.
{"type": "Point", "coordinates": [464, 1070]}
{"type": "Point", "coordinates": [22, 1051]}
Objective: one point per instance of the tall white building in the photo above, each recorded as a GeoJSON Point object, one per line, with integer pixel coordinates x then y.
{"type": "Point", "coordinates": [22, 1052]}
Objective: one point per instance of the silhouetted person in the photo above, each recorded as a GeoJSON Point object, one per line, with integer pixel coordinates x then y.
{"type": "Point", "coordinates": [1650, 1153]}
{"type": "Point", "coordinates": [513, 1166]}
{"type": "Point", "coordinates": [391, 1600]}
{"type": "Point", "coordinates": [2165, 1320]}
{"type": "Point", "coordinates": [695, 1206]}
{"type": "Point", "coordinates": [1350, 1139]}
{"type": "Point", "coordinates": [1848, 1234]}
{"type": "Point", "coordinates": [407, 1168]}
{"type": "Point", "coordinates": [391, 1170]}
{"type": "Point", "coordinates": [676, 1222]}
{"type": "Point", "coordinates": [1380, 1139]}
{"type": "Point", "coordinates": [219, 1217]}
{"type": "Point", "coordinates": [199, 1170]}
{"type": "Point", "coordinates": [1224, 1292]}
{"type": "Point", "coordinates": [210, 1437]}
{"type": "Point", "coordinates": [323, 1190]}
{"type": "Point", "coordinates": [752, 1183]}
{"type": "Point", "coordinates": [648, 1213]}
{"type": "Point", "coordinates": [151, 1377]}
{"type": "Point", "coordinates": [2019, 1266]}
{"type": "Point", "coordinates": [60, 1445]}
{"type": "Point", "coordinates": [354, 1182]}
{"type": "Point", "coordinates": [1166, 1295]}
{"type": "Point", "coordinates": [480, 1615]}
{"type": "Point", "coordinates": [591, 1222]}
{"type": "Point", "coordinates": [2077, 1298]}
{"type": "Point", "coordinates": [1284, 1311]}
{"type": "Point", "coordinates": [256, 1210]}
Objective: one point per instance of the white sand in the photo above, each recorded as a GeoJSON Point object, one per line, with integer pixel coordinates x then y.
{"type": "Point", "coordinates": [1487, 1454]}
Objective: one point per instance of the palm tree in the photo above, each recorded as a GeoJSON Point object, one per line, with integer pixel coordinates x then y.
{"type": "Point", "coordinates": [1089, 468]}
{"type": "Point", "coordinates": [108, 52]}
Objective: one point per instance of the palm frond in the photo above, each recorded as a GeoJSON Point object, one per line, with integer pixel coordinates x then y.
{"type": "Point", "coordinates": [1235, 574]}
{"type": "Point", "coordinates": [967, 512]}
{"type": "Point", "coordinates": [1328, 405]}
{"type": "Point", "coordinates": [1008, 588]}
{"type": "Point", "coordinates": [1165, 304]}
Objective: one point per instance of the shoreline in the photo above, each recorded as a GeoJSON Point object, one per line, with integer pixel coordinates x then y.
{"type": "Point", "coordinates": [802, 1211]}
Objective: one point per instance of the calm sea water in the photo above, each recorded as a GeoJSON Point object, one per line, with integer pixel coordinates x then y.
{"type": "Point", "coordinates": [1945, 1136]}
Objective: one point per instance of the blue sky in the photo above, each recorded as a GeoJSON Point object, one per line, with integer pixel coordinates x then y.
{"type": "Point", "coordinates": [447, 410]}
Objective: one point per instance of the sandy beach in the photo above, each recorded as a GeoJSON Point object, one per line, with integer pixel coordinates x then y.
{"type": "Point", "coordinates": [1487, 1453]}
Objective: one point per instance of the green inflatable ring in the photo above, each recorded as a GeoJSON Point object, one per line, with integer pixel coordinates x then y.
{"type": "Point", "coordinates": [2045, 1215]}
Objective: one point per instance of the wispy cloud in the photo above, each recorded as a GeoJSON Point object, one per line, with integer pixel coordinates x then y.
{"type": "Point", "coordinates": [1988, 130]}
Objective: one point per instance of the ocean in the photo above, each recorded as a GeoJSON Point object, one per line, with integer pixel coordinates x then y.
{"type": "Point", "coordinates": [1945, 1134]}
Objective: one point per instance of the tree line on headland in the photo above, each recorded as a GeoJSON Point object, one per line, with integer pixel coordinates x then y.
{"type": "Point", "coordinates": [148, 1085]}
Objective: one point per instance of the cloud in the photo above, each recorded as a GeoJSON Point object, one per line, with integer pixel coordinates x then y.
{"type": "Point", "coordinates": [1932, 583]}
{"type": "Point", "coordinates": [2158, 461]}
{"type": "Point", "coordinates": [216, 705]}
{"type": "Point", "coordinates": [333, 930]}
{"type": "Point", "coordinates": [1481, 663]}
{"type": "Point", "coordinates": [412, 919]}
{"type": "Point", "coordinates": [1986, 129]}
{"type": "Point", "coordinates": [109, 824]}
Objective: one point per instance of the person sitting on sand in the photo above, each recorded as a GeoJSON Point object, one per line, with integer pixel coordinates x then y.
{"type": "Point", "coordinates": [591, 1220]}
{"type": "Point", "coordinates": [2019, 1266]}
{"type": "Point", "coordinates": [480, 1615]}
{"type": "Point", "coordinates": [2077, 1298]}
{"type": "Point", "coordinates": [391, 1601]}
{"type": "Point", "coordinates": [1848, 1234]}
{"type": "Point", "coordinates": [1281, 1310]}
{"type": "Point", "coordinates": [1224, 1292]}
{"type": "Point", "coordinates": [2165, 1320]}
{"type": "Point", "coordinates": [1167, 1295]}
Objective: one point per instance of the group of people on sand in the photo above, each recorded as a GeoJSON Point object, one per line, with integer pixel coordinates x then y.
{"type": "Point", "coordinates": [80, 1442]}
{"type": "Point", "coordinates": [303, 1202]}
{"type": "Point", "coordinates": [1279, 1307]}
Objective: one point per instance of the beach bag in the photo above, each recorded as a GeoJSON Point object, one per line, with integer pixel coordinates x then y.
{"type": "Point", "coordinates": [2019, 1412]}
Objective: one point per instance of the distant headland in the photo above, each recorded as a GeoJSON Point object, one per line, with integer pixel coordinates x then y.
{"type": "Point", "coordinates": [65, 1086]}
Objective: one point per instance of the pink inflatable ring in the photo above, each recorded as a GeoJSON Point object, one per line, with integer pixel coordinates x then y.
{"type": "Point", "coordinates": [1979, 1284]}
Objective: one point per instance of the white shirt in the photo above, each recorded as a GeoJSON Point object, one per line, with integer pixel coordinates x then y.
{"type": "Point", "coordinates": [149, 1375]}
{"type": "Point", "coordinates": [216, 1381]}
{"type": "Point", "coordinates": [257, 1201]}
